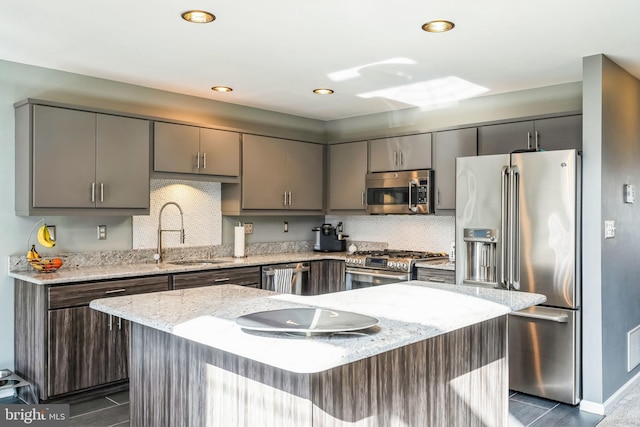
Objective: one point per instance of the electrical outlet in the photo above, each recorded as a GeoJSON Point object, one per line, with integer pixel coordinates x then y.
{"type": "Point", "coordinates": [248, 228]}
{"type": "Point", "coordinates": [609, 229]}
{"type": "Point", "coordinates": [102, 232]}
{"type": "Point", "coordinates": [286, 226]}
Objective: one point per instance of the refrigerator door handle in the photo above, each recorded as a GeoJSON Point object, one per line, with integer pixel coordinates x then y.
{"type": "Point", "coordinates": [504, 182]}
{"type": "Point", "coordinates": [514, 229]}
{"type": "Point", "coordinates": [560, 318]}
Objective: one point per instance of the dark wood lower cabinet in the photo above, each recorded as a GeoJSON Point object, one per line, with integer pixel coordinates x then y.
{"type": "Point", "coordinates": [62, 346]}
{"type": "Point", "coordinates": [87, 348]}
{"type": "Point", "coordinates": [326, 276]}
{"type": "Point", "coordinates": [243, 276]}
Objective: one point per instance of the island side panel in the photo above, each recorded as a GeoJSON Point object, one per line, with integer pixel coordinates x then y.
{"type": "Point", "coordinates": [459, 378]}
{"type": "Point", "coordinates": [176, 382]}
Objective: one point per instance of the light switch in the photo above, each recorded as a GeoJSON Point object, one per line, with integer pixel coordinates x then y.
{"type": "Point", "coordinates": [609, 229]}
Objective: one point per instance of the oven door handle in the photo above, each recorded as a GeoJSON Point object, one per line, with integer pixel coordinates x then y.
{"type": "Point", "coordinates": [399, 276]}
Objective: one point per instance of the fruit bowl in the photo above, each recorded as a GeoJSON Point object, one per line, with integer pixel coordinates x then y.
{"type": "Point", "coordinates": [46, 265]}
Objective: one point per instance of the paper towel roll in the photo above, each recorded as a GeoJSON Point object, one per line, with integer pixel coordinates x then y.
{"type": "Point", "coordinates": [238, 247]}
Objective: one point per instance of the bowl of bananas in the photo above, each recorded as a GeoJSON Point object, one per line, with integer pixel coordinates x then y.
{"type": "Point", "coordinates": [46, 265]}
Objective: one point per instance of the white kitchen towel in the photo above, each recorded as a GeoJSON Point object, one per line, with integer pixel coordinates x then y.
{"type": "Point", "coordinates": [282, 278]}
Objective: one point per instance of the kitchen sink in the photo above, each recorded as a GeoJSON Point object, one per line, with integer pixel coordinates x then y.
{"type": "Point", "coordinates": [194, 261]}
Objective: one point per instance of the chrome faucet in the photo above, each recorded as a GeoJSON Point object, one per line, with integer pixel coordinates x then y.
{"type": "Point", "coordinates": [158, 255]}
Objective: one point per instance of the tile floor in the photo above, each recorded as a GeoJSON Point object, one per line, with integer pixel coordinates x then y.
{"type": "Point", "coordinates": [524, 411]}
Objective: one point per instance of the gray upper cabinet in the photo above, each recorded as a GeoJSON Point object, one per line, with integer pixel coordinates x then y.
{"type": "Point", "coordinates": [409, 152]}
{"type": "Point", "coordinates": [447, 146]}
{"type": "Point", "coordinates": [556, 133]}
{"type": "Point", "coordinates": [80, 160]}
{"type": "Point", "coordinates": [195, 150]}
{"type": "Point", "coordinates": [281, 174]}
{"type": "Point", "coordinates": [347, 172]}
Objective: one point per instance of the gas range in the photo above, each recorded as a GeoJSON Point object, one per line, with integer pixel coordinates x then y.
{"type": "Point", "coordinates": [390, 260]}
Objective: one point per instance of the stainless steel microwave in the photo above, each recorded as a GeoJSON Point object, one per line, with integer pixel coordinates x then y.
{"type": "Point", "coordinates": [402, 192]}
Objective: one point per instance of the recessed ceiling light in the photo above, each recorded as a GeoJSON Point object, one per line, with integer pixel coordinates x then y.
{"type": "Point", "coordinates": [198, 16]}
{"type": "Point", "coordinates": [323, 91]}
{"type": "Point", "coordinates": [438, 26]}
{"type": "Point", "coordinates": [221, 89]}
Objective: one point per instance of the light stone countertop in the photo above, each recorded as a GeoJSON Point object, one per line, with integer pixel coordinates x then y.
{"type": "Point", "coordinates": [105, 272]}
{"type": "Point", "coordinates": [408, 312]}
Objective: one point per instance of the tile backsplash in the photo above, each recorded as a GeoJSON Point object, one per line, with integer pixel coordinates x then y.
{"type": "Point", "coordinates": [408, 232]}
{"type": "Point", "coordinates": [200, 203]}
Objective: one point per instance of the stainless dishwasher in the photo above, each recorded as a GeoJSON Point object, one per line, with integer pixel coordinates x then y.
{"type": "Point", "coordinates": [292, 278]}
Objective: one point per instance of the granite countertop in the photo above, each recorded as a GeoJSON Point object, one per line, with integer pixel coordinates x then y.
{"type": "Point", "coordinates": [105, 272]}
{"type": "Point", "coordinates": [437, 264]}
{"type": "Point", "coordinates": [408, 312]}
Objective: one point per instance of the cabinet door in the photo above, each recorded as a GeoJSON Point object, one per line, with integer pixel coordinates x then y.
{"type": "Point", "coordinates": [326, 276]}
{"type": "Point", "coordinates": [220, 152]}
{"type": "Point", "coordinates": [504, 138]}
{"type": "Point", "coordinates": [85, 350]}
{"type": "Point", "coordinates": [175, 148]}
{"type": "Point", "coordinates": [263, 172]}
{"type": "Point", "coordinates": [383, 155]}
{"type": "Point", "coordinates": [122, 162]}
{"type": "Point", "coordinates": [304, 167]}
{"type": "Point", "coordinates": [347, 172]}
{"type": "Point", "coordinates": [414, 152]}
{"type": "Point", "coordinates": [64, 152]}
{"type": "Point", "coordinates": [449, 145]}
{"type": "Point", "coordinates": [248, 276]}
{"type": "Point", "coordinates": [436, 275]}
{"type": "Point", "coordinates": [559, 133]}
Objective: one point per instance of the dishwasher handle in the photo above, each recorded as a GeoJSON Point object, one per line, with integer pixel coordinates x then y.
{"type": "Point", "coordinates": [272, 270]}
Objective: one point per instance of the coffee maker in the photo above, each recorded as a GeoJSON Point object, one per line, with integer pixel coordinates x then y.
{"type": "Point", "coordinates": [329, 239]}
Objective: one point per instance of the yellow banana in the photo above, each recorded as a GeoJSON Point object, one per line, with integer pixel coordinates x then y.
{"type": "Point", "coordinates": [44, 238]}
{"type": "Point", "coordinates": [33, 254]}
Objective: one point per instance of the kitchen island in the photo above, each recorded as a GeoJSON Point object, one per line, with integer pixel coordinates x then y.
{"type": "Point", "coordinates": [436, 357]}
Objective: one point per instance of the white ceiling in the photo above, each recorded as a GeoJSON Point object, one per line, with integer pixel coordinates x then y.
{"type": "Point", "coordinates": [273, 53]}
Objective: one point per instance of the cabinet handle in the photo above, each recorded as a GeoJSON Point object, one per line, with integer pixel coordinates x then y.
{"type": "Point", "coordinates": [198, 160]}
{"type": "Point", "coordinates": [529, 140]}
{"type": "Point", "coordinates": [115, 291]}
{"type": "Point", "coordinates": [284, 201]}
{"type": "Point", "coordinates": [204, 160]}
{"type": "Point", "coordinates": [290, 199]}
{"type": "Point", "coordinates": [437, 197]}
{"type": "Point", "coordinates": [102, 192]}
{"type": "Point", "coordinates": [93, 192]}
{"type": "Point", "coordinates": [401, 158]}
{"type": "Point", "coordinates": [119, 323]}
{"type": "Point", "coordinates": [435, 279]}
{"type": "Point", "coordinates": [537, 141]}
{"type": "Point", "coordinates": [362, 198]}
{"type": "Point", "coordinates": [395, 158]}
{"type": "Point", "coordinates": [110, 322]}
{"type": "Point", "coordinates": [224, 279]}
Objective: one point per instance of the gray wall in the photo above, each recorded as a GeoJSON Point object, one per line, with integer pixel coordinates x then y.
{"type": "Point", "coordinates": [612, 270]}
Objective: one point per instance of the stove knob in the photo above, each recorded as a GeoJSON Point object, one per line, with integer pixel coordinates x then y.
{"type": "Point", "coordinates": [404, 266]}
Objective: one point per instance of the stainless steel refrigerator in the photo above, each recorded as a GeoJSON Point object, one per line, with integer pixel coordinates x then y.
{"type": "Point", "coordinates": [518, 228]}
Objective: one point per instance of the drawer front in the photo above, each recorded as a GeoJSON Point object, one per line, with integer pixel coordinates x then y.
{"type": "Point", "coordinates": [82, 294]}
{"type": "Point", "coordinates": [245, 276]}
{"type": "Point", "coordinates": [439, 276]}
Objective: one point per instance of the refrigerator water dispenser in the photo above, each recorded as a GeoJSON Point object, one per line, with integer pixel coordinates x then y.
{"type": "Point", "coordinates": [481, 256]}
